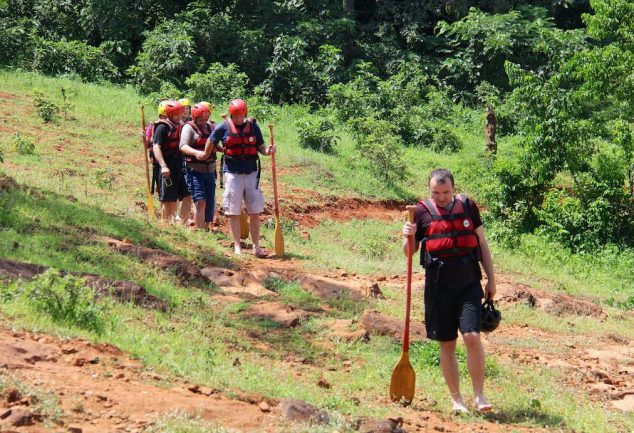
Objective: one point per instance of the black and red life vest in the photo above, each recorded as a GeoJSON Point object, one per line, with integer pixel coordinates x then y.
{"type": "Point", "coordinates": [452, 232]}
{"type": "Point", "coordinates": [173, 136]}
{"type": "Point", "coordinates": [199, 144]}
{"type": "Point", "coordinates": [242, 145]}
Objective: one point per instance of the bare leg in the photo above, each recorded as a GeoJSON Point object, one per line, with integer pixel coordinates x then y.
{"type": "Point", "coordinates": [199, 214]}
{"type": "Point", "coordinates": [449, 366]}
{"type": "Point", "coordinates": [186, 209]}
{"type": "Point", "coordinates": [475, 363]}
{"type": "Point", "coordinates": [168, 211]}
{"type": "Point", "coordinates": [254, 228]}
{"type": "Point", "coordinates": [234, 222]}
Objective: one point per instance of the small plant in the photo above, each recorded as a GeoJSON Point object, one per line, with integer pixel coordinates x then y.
{"type": "Point", "coordinates": [317, 133]}
{"type": "Point", "coordinates": [66, 299]}
{"type": "Point", "coordinates": [66, 106]}
{"type": "Point", "coordinates": [23, 145]}
{"type": "Point", "coordinates": [1, 154]}
{"type": "Point", "coordinates": [105, 178]}
{"type": "Point", "coordinates": [46, 109]}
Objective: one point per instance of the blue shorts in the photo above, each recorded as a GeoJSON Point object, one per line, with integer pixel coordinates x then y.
{"type": "Point", "coordinates": [202, 186]}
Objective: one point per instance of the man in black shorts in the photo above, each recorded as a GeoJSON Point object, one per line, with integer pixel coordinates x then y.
{"type": "Point", "coordinates": [450, 229]}
{"type": "Point", "coordinates": [172, 185]}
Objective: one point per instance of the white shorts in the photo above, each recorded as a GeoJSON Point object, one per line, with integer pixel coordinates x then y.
{"type": "Point", "coordinates": [239, 186]}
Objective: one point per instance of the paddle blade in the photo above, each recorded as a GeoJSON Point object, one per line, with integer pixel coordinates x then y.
{"type": "Point", "coordinates": [403, 382]}
{"type": "Point", "coordinates": [244, 226]}
{"type": "Point", "coordinates": [279, 239]}
{"type": "Point", "coordinates": [150, 204]}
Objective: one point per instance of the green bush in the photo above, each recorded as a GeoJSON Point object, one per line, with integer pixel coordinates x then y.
{"type": "Point", "coordinates": [46, 109]}
{"type": "Point", "coordinates": [16, 42]}
{"type": "Point", "coordinates": [168, 54]}
{"type": "Point", "coordinates": [294, 74]}
{"type": "Point", "coordinates": [445, 140]}
{"type": "Point", "coordinates": [219, 83]}
{"type": "Point", "coordinates": [72, 57]}
{"type": "Point", "coordinates": [384, 156]}
{"type": "Point", "coordinates": [317, 133]}
{"type": "Point", "coordinates": [66, 299]}
{"type": "Point", "coordinates": [23, 145]}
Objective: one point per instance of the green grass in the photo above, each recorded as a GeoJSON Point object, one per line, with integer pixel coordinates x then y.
{"type": "Point", "coordinates": [291, 293]}
{"type": "Point", "coordinates": [67, 204]}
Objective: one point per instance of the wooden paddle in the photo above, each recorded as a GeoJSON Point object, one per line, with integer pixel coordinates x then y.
{"type": "Point", "coordinates": [150, 202]}
{"type": "Point", "coordinates": [279, 237]}
{"type": "Point", "coordinates": [403, 382]}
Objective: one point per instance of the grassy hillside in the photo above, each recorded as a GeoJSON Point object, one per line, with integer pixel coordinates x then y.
{"type": "Point", "coordinates": [85, 182]}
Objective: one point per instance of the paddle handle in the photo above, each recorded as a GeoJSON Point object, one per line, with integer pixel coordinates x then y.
{"type": "Point", "coordinates": [150, 205]}
{"type": "Point", "coordinates": [272, 143]}
{"type": "Point", "coordinates": [408, 301]}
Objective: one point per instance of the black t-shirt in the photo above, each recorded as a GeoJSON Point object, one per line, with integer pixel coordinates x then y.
{"type": "Point", "coordinates": [161, 132]}
{"type": "Point", "coordinates": [423, 219]}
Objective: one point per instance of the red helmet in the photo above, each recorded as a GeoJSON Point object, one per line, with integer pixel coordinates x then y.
{"type": "Point", "coordinates": [174, 108]}
{"type": "Point", "coordinates": [238, 107]}
{"type": "Point", "coordinates": [200, 110]}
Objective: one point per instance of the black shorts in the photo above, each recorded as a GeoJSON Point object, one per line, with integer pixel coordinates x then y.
{"type": "Point", "coordinates": [452, 307]}
{"type": "Point", "coordinates": [174, 187]}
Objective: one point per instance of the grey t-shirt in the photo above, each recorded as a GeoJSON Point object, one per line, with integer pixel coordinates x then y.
{"type": "Point", "coordinates": [189, 137]}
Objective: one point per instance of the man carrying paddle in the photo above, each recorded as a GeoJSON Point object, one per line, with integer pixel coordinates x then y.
{"type": "Point", "coordinates": [172, 186]}
{"type": "Point", "coordinates": [243, 140]}
{"type": "Point", "coordinates": [450, 228]}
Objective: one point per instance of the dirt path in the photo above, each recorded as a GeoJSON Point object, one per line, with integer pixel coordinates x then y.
{"type": "Point", "coordinates": [100, 388]}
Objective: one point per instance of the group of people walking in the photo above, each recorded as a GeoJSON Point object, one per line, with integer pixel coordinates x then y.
{"type": "Point", "coordinates": [184, 143]}
{"type": "Point", "coordinates": [446, 227]}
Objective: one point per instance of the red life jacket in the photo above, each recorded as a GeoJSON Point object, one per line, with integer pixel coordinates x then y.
{"type": "Point", "coordinates": [451, 233]}
{"type": "Point", "coordinates": [199, 143]}
{"type": "Point", "coordinates": [173, 136]}
{"type": "Point", "coordinates": [241, 145]}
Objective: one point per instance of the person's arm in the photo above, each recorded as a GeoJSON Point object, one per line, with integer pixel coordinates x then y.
{"type": "Point", "coordinates": [160, 137]}
{"type": "Point", "coordinates": [213, 143]}
{"type": "Point", "coordinates": [487, 263]}
{"type": "Point", "coordinates": [409, 229]}
{"type": "Point", "coordinates": [187, 136]}
{"type": "Point", "coordinates": [262, 148]}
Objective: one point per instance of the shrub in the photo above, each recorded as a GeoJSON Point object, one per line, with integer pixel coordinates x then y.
{"type": "Point", "coordinates": [16, 42]}
{"type": "Point", "coordinates": [23, 145]}
{"type": "Point", "coordinates": [72, 57]}
{"type": "Point", "coordinates": [219, 83]}
{"type": "Point", "coordinates": [66, 299]}
{"type": "Point", "coordinates": [317, 133]}
{"type": "Point", "coordinates": [444, 139]}
{"type": "Point", "coordinates": [385, 156]}
{"type": "Point", "coordinates": [167, 55]}
{"type": "Point", "coordinates": [46, 109]}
